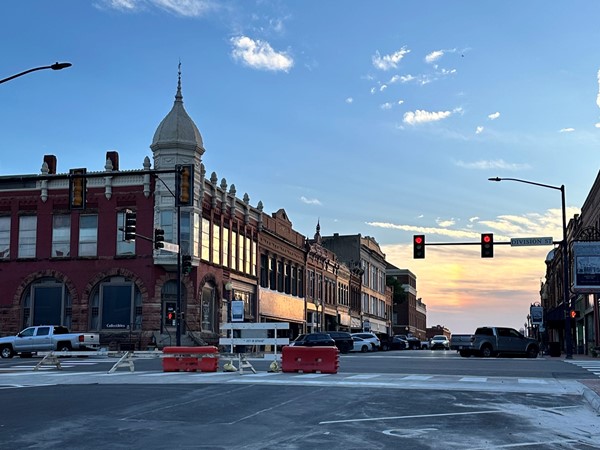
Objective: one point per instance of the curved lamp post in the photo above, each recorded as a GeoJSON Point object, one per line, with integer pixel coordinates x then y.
{"type": "Point", "coordinates": [55, 66]}
{"type": "Point", "coordinates": [566, 298]}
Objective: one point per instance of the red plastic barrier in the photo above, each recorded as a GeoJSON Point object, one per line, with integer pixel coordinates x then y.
{"type": "Point", "coordinates": [310, 359]}
{"type": "Point", "coordinates": [189, 359]}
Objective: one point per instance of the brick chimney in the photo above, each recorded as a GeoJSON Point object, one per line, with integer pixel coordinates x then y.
{"type": "Point", "coordinates": [114, 159]}
{"type": "Point", "coordinates": [51, 161]}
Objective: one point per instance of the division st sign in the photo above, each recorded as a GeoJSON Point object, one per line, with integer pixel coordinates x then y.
{"type": "Point", "coordinates": [522, 242]}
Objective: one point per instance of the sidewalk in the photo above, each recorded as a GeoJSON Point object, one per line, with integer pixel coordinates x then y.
{"type": "Point", "coordinates": [591, 386]}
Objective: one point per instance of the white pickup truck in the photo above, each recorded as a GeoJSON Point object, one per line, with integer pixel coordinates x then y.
{"type": "Point", "coordinates": [47, 338]}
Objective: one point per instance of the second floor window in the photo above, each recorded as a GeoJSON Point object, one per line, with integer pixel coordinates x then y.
{"type": "Point", "coordinates": [27, 236]}
{"type": "Point", "coordinates": [123, 247]}
{"type": "Point", "coordinates": [4, 237]}
{"type": "Point", "coordinates": [61, 236]}
{"type": "Point", "coordinates": [88, 235]}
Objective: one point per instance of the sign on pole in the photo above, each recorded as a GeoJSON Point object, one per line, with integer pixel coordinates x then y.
{"type": "Point", "coordinates": [174, 248]}
{"type": "Point", "coordinates": [522, 242]}
{"type": "Point", "coordinates": [586, 266]}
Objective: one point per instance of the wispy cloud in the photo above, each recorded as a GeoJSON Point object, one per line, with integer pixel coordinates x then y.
{"type": "Point", "coordinates": [434, 56]}
{"type": "Point", "coordinates": [185, 8]}
{"type": "Point", "coordinates": [421, 116]}
{"type": "Point", "coordinates": [445, 223]}
{"type": "Point", "coordinates": [479, 130]}
{"type": "Point", "coordinates": [260, 55]}
{"type": "Point", "coordinates": [566, 130]}
{"type": "Point", "coordinates": [349, 100]}
{"type": "Point", "coordinates": [491, 164]}
{"type": "Point", "coordinates": [310, 201]}
{"type": "Point", "coordinates": [387, 62]}
{"type": "Point", "coordinates": [494, 116]}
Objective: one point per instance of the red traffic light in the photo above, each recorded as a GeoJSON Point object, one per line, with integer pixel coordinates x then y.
{"type": "Point", "coordinates": [487, 245]}
{"type": "Point", "coordinates": [419, 246]}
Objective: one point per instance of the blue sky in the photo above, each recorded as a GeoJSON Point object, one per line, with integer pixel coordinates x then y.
{"type": "Point", "coordinates": [381, 118]}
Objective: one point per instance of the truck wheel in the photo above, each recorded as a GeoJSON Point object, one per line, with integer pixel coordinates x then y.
{"type": "Point", "coordinates": [64, 347]}
{"type": "Point", "coordinates": [464, 353]}
{"type": "Point", "coordinates": [532, 351]}
{"type": "Point", "coordinates": [7, 352]}
{"type": "Point", "coordinates": [486, 351]}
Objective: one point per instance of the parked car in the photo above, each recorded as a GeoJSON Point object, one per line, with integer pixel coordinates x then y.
{"type": "Point", "coordinates": [439, 341]}
{"type": "Point", "coordinates": [360, 345]}
{"type": "Point", "coordinates": [413, 342]}
{"type": "Point", "coordinates": [371, 338]}
{"type": "Point", "coordinates": [313, 340]}
{"type": "Point", "coordinates": [398, 343]}
{"type": "Point", "coordinates": [343, 340]}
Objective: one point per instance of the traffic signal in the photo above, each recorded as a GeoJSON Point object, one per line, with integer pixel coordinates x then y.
{"type": "Point", "coordinates": [184, 185]}
{"type": "Point", "coordinates": [186, 264]}
{"type": "Point", "coordinates": [77, 188]}
{"type": "Point", "coordinates": [487, 245]}
{"type": "Point", "coordinates": [419, 246]}
{"type": "Point", "coordinates": [130, 223]}
{"type": "Point", "coordinates": [159, 238]}
{"type": "Point", "coordinates": [573, 314]}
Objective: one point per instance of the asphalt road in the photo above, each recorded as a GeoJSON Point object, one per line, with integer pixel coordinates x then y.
{"type": "Point", "coordinates": [392, 400]}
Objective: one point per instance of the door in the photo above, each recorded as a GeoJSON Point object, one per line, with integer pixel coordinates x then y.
{"type": "Point", "coordinates": [24, 340]}
{"type": "Point", "coordinates": [42, 341]}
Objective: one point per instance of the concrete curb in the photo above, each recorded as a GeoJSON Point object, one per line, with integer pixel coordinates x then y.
{"type": "Point", "coordinates": [592, 398]}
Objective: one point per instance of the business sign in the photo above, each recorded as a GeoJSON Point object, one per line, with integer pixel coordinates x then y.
{"type": "Point", "coordinates": [522, 242]}
{"type": "Point", "coordinates": [586, 266]}
{"type": "Point", "coordinates": [237, 311]}
{"type": "Point", "coordinates": [536, 313]}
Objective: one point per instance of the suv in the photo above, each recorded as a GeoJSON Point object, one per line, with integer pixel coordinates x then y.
{"type": "Point", "coordinates": [371, 338]}
{"type": "Point", "coordinates": [439, 341]}
{"type": "Point", "coordinates": [343, 340]}
{"type": "Point", "coordinates": [313, 340]}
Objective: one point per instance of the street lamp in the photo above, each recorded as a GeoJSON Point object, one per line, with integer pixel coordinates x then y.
{"type": "Point", "coordinates": [566, 298]}
{"type": "Point", "coordinates": [55, 66]}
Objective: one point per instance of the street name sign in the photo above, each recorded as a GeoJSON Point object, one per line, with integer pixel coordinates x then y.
{"type": "Point", "coordinates": [522, 242]}
{"type": "Point", "coordinates": [170, 247]}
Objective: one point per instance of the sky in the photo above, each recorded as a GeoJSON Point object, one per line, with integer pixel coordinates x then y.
{"type": "Point", "coordinates": [381, 118]}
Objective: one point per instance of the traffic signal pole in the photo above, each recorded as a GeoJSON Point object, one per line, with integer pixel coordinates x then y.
{"type": "Point", "coordinates": [178, 309]}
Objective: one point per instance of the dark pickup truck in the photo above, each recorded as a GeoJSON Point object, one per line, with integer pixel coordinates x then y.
{"type": "Point", "coordinates": [494, 341]}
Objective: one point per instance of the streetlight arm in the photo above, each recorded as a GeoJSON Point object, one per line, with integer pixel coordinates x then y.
{"type": "Point", "coordinates": [558, 188]}
{"type": "Point", "coordinates": [55, 66]}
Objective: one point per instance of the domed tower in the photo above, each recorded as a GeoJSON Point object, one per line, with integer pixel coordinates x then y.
{"type": "Point", "coordinates": [176, 141]}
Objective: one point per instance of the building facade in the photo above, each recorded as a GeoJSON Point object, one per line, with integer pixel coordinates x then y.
{"type": "Point", "coordinates": [585, 327]}
{"type": "Point", "coordinates": [64, 258]}
{"type": "Point", "coordinates": [364, 253]}
{"type": "Point", "coordinates": [410, 315]}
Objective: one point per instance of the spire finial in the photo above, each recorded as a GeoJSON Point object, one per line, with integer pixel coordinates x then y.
{"type": "Point", "coordinates": [178, 96]}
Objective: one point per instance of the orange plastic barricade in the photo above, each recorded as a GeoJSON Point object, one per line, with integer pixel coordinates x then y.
{"type": "Point", "coordinates": [310, 359]}
{"type": "Point", "coordinates": [190, 359]}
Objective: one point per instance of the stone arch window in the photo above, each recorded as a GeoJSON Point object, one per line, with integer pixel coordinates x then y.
{"type": "Point", "coordinates": [116, 304]}
{"type": "Point", "coordinates": [47, 301]}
